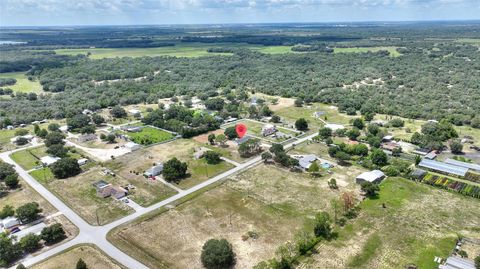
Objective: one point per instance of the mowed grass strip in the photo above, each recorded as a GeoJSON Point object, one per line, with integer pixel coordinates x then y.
{"type": "Point", "coordinates": [22, 84]}
{"type": "Point", "coordinates": [150, 135]}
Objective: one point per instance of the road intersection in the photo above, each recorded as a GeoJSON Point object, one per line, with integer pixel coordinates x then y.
{"type": "Point", "coordinates": [97, 235]}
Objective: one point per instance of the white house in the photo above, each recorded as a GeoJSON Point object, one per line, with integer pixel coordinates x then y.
{"type": "Point", "coordinates": [82, 161]}
{"type": "Point", "coordinates": [375, 176]}
{"type": "Point", "coordinates": [49, 160]}
{"type": "Point", "coordinates": [154, 171]}
{"type": "Point", "coordinates": [10, 222]}
{"type": "Point", "coordinates": [334, 126]}
{"type": "Point", "coordinates": [268, 129]}
{"type": "Point", "coordinates": [63, 128]}
{"type": "Point", "coordinates": [134, 111]}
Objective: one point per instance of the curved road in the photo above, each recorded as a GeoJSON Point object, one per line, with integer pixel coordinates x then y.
{"type": "Point", "coordinates": [97, 235]}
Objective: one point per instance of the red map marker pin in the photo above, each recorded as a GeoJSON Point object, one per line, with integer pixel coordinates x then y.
{"type": "Point", "coordinates": [241, 130]}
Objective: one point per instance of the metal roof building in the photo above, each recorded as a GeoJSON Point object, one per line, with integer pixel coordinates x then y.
{"type": "Point", "coordinates": [454, 262]}
{"type": "Point", "coordinates": [472, 166]}
{"type": "Point", "coordinates": [443, 167]}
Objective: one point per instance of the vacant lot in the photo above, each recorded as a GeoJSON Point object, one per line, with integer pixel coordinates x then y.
{"type": "Point", "coordinates": [149, 135]}
{"type": "Point", "coordinates": [268, 200]}
{"type": "Point", "coordinates": [418, 223]}
{"type": "Point", "coordinates": [132, 166]}
{"type": "Point", "coordinates": [29, 158]}
{"type": "Point", "coordinates": [91, 255]}
{"type": "Point", "coordinates": [80, 195]}
{"type": "Point", "coordinates": [25, 194]}
{"type": "Point", "coordinates": [23, 84]}
{"type": "Point", "coordinates": [393, 50]}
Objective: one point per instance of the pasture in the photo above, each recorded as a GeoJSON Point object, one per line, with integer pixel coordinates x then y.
{"type": "Point", "coordinates": [428, 220]}
{"type": "Point", "coordinates": [22, 84]}
{"type": "Point", "coordinates": [149, 135]}
{"type": "Point", "coordinates": [91, 255]}
{"type": "Point", "coordinates": [393, 50]}
{"type": "Point", "coordinates": [268, 201]}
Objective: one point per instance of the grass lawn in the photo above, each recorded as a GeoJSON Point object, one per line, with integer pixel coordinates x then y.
{"type": "Point", "coordinates": [255, 129]}
{"type": "Point", "coordinates": [149, 135]}
{"type": "Point", "coordinates": [29, 158]}
{"type": "Point", "coordinates": [393, 50]}
{"type": "Point", "coordinates": [23, 84]}
{"type": "Point", "coordinates": [79, 194]}
{"type": "Point", "coordinates": [91, 255]}
{"type": "Point", "coordinates": [132, 165]}
{"type": "Point", "coordinates": [268, 200]}
{"type": "Point", "coordinates": [428, 220]}
{"type": "Point", "coordinates": [25, 194]}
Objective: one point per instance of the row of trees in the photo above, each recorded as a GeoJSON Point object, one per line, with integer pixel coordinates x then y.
{"type": "Point", "coordinates": [8, 178]}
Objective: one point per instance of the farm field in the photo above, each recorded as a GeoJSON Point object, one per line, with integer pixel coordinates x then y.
{"type": "Point", "coordinates": [393, 50]}
{"type": "Point", "coordinates": [149, 135]}
{"type": "Point", "coordinates": [428, 219]}
{"type": "Point", "coordinates": [274, 206]}
{"type": "Point", "coordinates": [79, 194]}
{"type": "Point", "coordinates": [22, 84]}
{"type": "Point", "coordinates": [25, 194]}
{"type": "Point", "coordinates": [91, 255]}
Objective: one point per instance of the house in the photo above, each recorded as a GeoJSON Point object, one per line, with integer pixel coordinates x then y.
{"type": "Point", "coordinates": [132, 146]}
{"type": "Point", "coordinates": [34, 229]}
{"type": "Point", "coordinates": [154, 171]}
{"type": "Point", "coordinates": [87, 137]}
{"type": "Point", "coordinates": [374, 176]}
{"type": "Point", "coordinates": [49, 160]}
{"type": "Point", "coordinates": [10, 222]}
{"type": "Point", "coordinates": [455, 262]}
{"type": "Point", "coordinates": [82, 161]}
{"type": "Point", "coordinates": [390, 146]}
{"type": "Point", "coordinates": [105, 190]}
{"type": "Point", "coordinates": [334, 126]}
{"type": "Point", "coordinates": [268, 129]}
{"type": "Point", "coordinates": [305, 161]}
{"type": "Point", "coordinates": [318, 114]}
{"type": "Point", "coordinates": [132, 129]}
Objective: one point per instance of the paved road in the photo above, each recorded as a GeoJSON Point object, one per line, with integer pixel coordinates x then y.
{"type": "Point", "coordinates": [97, 234]}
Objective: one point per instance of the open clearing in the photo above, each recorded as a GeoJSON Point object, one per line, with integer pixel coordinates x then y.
{"type": "Point", "coordinates": [267, 200]}
{"type": "Point", "coordinates": [79, 194]}
{"type": "Point", "coordinates": [393, 50]}
{"type": "Point", "coordinates": [25, 194]}
{"type": "Point", "coordinates": [418, 223]}
{"type": "Point", "coordinates": [91, 255]}
{"type": "Point", "coordinates": [149, 135]}
{"type": "Point", "coordinates": [132, 166]}
{"type": "Point", "coordinates": [23, 84]}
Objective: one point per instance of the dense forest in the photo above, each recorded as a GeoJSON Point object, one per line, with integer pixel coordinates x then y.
{"type": "Point", "coordinates": [432, 79]}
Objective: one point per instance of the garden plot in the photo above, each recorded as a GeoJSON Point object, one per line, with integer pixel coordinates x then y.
{"type": "Point", "coordinates": [91, 255]}
{"type": "Point", "coordinates": [132, 166]}
{"type": "Point", "coordinates": [218, 213]}
{"type": "Point", "coordinates": [79, 194]}
{"type": "Point", "coordinates": [428, 220]}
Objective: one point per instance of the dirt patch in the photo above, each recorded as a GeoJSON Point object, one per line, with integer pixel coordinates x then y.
{"type": "Point", "coordinates": [204, 137]}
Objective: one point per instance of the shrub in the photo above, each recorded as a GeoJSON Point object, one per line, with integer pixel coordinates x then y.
{"type": "Point", "coordinates": [212, 157]}
{"type": "Point", "coordinates": [174, 169]}
{"type": "Point", "coordinates": [217, 254]}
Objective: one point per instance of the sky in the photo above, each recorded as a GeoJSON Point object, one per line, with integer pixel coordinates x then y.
{"type": "Point", "coordinates": [141, 12]}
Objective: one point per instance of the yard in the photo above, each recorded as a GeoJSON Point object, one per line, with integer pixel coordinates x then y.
{"type": "Point", "coordinates": [255, 129]}
{"type": "Point", "coordinates": [6, 135]}
{"type": "Point", "coordinates": [393, 50]}
{"type": "Point", "coordinates": [428, 220]}
{"type": "Point", "coordinates": [149, 135]}
{"type": "Point", "coordinates": [91, 255]}
{"type": "Point", "coordinates": [23, 84]}
{"type": "Point", "coordinates": [132, 166]}
{"type": "Point", "coordinates": [269, 201]}
{"type": "Point", "coordinates": [79, 194]}
{"type": "Point", "coordinates": [29, 158]}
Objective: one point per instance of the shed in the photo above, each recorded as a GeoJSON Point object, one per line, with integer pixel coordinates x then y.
{"type": "Point", "coordinates": [334, 126]}
{"type": "Point", "coordinates": [63, 128]}
{"type": "Point", "coordinates": [443, 167]}
{"type": "Point", "coordinates": [455, 262]}
{"type": "Point", "coordinates": [10, 222]}
{"type": "Point", "coordinates": [374, 176]}
{"type": "Point", "coordinates": [82, 161]}
{"type": "Point", "coordinates": [154, 171]}
{"type": "Point", "coordinates": [387, 138]}
{"type": "Point", "coordinates": [472, 166]}
{"type": "Point", "coordinates": [431, 155]}
{"type": "Point", "coordinates": [134, 111]}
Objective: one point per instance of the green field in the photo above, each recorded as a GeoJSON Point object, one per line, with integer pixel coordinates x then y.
{"type": "Point", "coordinates": [29, 158]}
{"type": "Point", "coordinates": [23, 84]}
{"type": "Point", "coordinates": [179, 50]}
{"type": "Point", "coordinates": [150, 135]}
{"type": "Point", "coordinates": [393, 50]}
